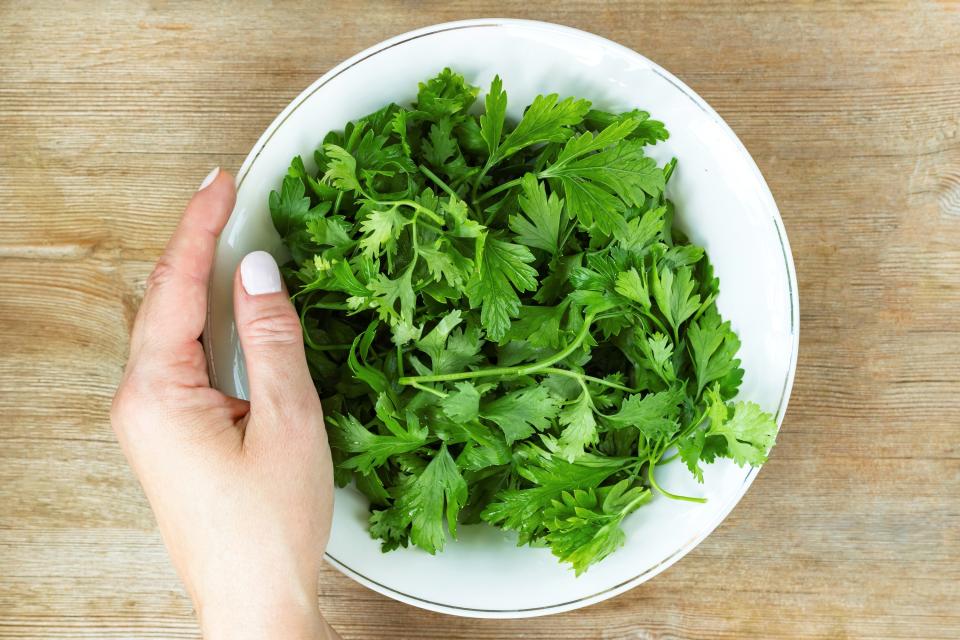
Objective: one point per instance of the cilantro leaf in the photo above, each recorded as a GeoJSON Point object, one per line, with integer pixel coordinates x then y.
{"type": "Point", "coordinates": [520, 413]}
{"type": "Point", "coordinates": [740, 431]}
{"type": "Point", "coordinates": [504, 270]}
{"type": "Point", "coordinates": [599, 186]}
{"type": "Point", "coordinates": [537, 325]}
{"type": "Point", "coordinates": [584, 525]}
{"type": "Point", "coordinates": [341, 169]}
{"type": "Point", "coordinates": [555, 283]}
{"type": "Point", "coordinates": [642, 230]}
{"type": "Point", "coordinates": [371, 450]}
{"type": "Point", "coordinates": [387, 293]}
{"type": "Point", "coordinates": [446, 263]}
{"type": "Point", "coordinates": [289, 208]}
{"type": "Point", "coordinates": [380, 229]}
{"type": "Point", "coordinates": [391, 528]}
{"type": "Point", "coordinates": [442, 150]}
{"type": "Point", "coordinates": [491, 122]}
{"type": "Point", "coordinates": [449, 348]}
{"type": "Point", "coordinates": [579, 427]}
{"type": "Point", "coordinates": [523, 510]}
{"type": "Point", "coordinates": [587, 142]}
{"type": "Point", "coordinates": [291, 214]}
{"type": "Point", "coordinates": [714, 347]}
{"type": "Point", "coordinates": [647, 130]}
{"type": "Point", "coordinates": [749, 433]}
{"type": "Point", "coordinates": [545, 120]}
{"type": "Point", "coordinates": [541, 226]}
{"type": "Point", "coordinates": [654, 414]}
{"type": "Point", "coordinates": [631, 285]}
{"type": "Point", "coordinates": [464, 404]}
{"type": "Point", "coordinates": [658, 356]}
{"type": "Point", "coordinates": [446, 94]}
{"type": "Point", "coordinates": [330, 231]}
{"type": "Point", "coordinates": [690, 448]}
{"type": "Point", "coordinates": [439, 490]}
{"type": "Point", "coordinates": [674, 293]}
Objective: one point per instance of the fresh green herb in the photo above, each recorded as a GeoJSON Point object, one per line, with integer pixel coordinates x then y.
{"type": "Point", "coordinates": [502, 322]}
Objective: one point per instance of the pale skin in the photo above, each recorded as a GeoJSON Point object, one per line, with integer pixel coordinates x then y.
{"type": "Point", "coordinates": [242, 491]}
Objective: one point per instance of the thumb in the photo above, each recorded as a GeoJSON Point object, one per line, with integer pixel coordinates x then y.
{"type": "Point", "coordinates": [271, 337]}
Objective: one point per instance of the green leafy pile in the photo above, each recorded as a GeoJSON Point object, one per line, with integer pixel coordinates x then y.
{"type": "Point", "coordinates": [502, 322]}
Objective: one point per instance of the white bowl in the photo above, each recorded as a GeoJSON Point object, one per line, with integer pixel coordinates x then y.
{"type": "Point", "coordinates": [723, 204]}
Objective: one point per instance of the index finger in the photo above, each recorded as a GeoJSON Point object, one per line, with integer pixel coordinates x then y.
{"type": "Point", "coordinates": [174, 306]}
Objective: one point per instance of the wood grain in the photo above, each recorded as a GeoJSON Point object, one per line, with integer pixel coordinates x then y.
{"type": "Point", "coordinates": [111, 112]}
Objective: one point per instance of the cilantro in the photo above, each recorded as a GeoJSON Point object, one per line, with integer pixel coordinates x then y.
{"type": "Point", "coordinates": [464, 404]}
{"type": "Point", "coordinates": [579, 427]}
{"type": "Point", "coordinates": [653, 414]}
{"type": "Point", "coordinates": [714, 347]}
{"type": "Point", "coordinates": [491, 122]}
{"type": "Point", "coordinates": [600, 185]}
{"type": "Point", "coordinates": [545, 120]}
{"type": "Point", "coordinates": [504, 271]}
{"type": "Point", "coordinates": [540, 228]}
{"type": "Point", "coordinates": [372, 450]}
{"type": "Point", "coordinates": [380, 230]}
{"type": "Point", "coordinates": [520, 413]}
{"type": "Point", "coordinates": [583, 526]}
{"type": "Point", "coordinates": [674, 296]}
{"type": "Point", "coordinates": [292, 216]}
{"type": "Point", "coordinates": [439, 490]}
{"type": "Point", "coordinates": [503, 324]}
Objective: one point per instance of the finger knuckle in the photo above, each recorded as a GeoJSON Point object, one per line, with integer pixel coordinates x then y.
{"type": "Point", "coordinates": [277, 328]}
{"type": "Point", "coordinates": [290, 410]}
{"type": "Point", "coordinates": [117, 407]}
{"type": "Point", "coordinates": [162, 273]}
{"type": "Point", "coordinates": [136, 396]}
{"type": "Point", "coordinates": [124, 401]}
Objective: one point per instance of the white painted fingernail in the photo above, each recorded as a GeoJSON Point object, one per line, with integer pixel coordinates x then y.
{"type": "Point", "coordinates": [259, 273]}
{"type": "Point", "coordinates": [209, 179]}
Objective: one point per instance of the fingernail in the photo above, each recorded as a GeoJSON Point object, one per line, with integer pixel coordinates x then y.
{"type": "Point", "coordinates": [259, 273]}
{"type": "Point", "coordinates": [209, 179]}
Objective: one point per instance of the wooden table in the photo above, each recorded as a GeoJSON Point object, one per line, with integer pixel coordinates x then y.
{"type": "Point", "coordinates": [112, 112]}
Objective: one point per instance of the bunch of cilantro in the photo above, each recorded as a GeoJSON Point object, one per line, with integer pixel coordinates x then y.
{"type": "Point", "coordinates": [502, 323]}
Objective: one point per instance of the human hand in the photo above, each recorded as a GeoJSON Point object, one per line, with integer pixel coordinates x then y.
{"type": "Point", "coordinates": [242, 491]}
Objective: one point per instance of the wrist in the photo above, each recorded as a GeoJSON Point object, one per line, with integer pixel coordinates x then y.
{"type": "Point", "coordinates": [293, 616]}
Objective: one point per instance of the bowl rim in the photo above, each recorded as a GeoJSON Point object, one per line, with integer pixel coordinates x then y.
{"type": "Point", "coordinates": [789, 266]}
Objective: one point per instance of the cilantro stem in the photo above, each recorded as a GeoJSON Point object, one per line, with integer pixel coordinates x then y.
{"type": "Point", "coordinates": [437, 181]}
{"type": "Point", "coordinates": [333, 306]}
{"type": "Point", "coordinates": [421, 209]}
{"type": "Point", "coordinates": [329, 347]}
{"type": "Point", "coordinates": [690, 428]}
{"type": "Point", "coordinates": [416, 206]}
{"type": "Point", "coordinates": [633, 503]}
{"type": "Point", "coordinates": [307, 340]}
{"type": "Point", "coordinates": [585, 378]}
{"type": "Point", "coordinates": [423, 387]}
{"type": "Point", "coordinates": [458, 182]}
{"type": "Point", "coordinates": [413, 238]}
{"type": "Point", "coordinates": [498, 189]}
{"type": "Point", "coordinates": [703, 307]}
{"type": "Point", "coordinates": [661, 490]}
{"type": "Point", "coordinates": [492, 160]}
{"type": "Point", "coordinates": [668, 460]}
{"type": "Point", "coordinates": [653, 318]}
{"type": "Point", "coordinates": [566, 236]}
{"type": "Point", "coordinates": [427, 225]}
{"type": "Point", "coordinates": [517, 370]}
